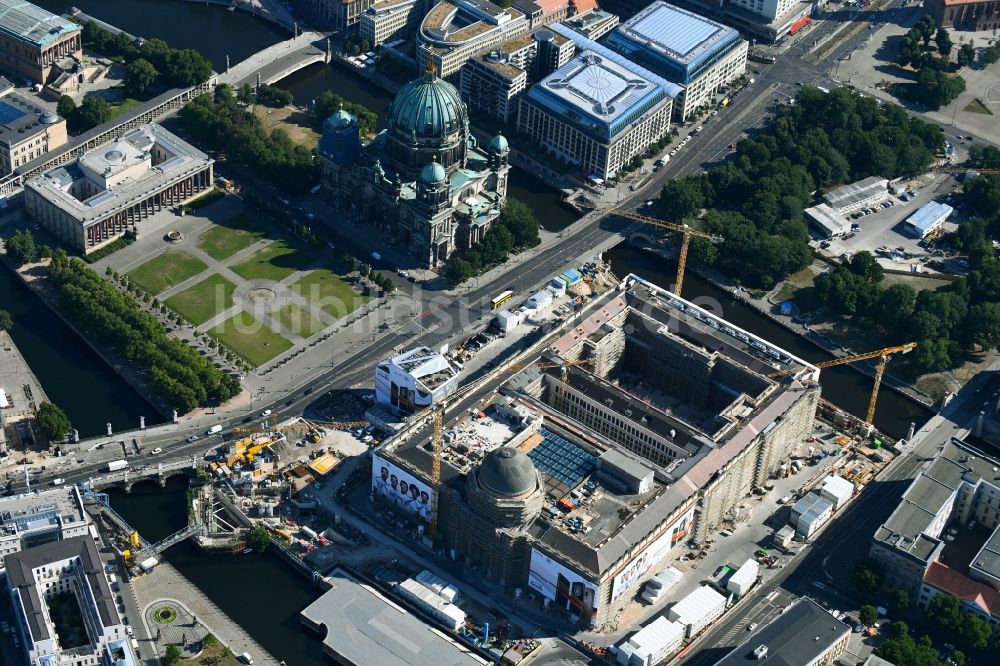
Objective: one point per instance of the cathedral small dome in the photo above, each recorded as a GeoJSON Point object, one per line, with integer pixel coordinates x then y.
{"type": "Point", "coordinates": [498, 144]}
{"type": "Point", "coordinates": [340, 119]}
{"type": "Point", "coordinates": [432, 174]}
{"type": "Point", "coordinates": [507, 472]}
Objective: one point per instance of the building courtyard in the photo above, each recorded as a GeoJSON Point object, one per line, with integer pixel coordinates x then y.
{"type": "Point", "coordinates": [237, 277]}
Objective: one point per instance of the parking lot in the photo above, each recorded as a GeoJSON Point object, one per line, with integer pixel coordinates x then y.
{"type": "Point", "coordinates": [882, 233]}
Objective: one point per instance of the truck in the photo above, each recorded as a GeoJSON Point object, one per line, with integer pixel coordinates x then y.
{"type": "Point", "coordinates": [147, 564]}
{"type": "Point", "coordinates": [117, 465]}
{"type": "Point", "coordinates": [214, 430]}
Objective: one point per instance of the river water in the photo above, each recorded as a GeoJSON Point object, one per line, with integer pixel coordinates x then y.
{"type": "Point", "coordinates": [260, 592]}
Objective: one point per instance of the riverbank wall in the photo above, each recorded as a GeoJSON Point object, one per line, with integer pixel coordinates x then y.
{"type": "Point", "coordinates": [271, 11]}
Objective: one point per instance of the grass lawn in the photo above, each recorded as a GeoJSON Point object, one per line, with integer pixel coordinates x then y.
{"type": "Point", "coordinates": [204, 300]}
{"type": "Point", "coordinates": [249, 338]}
{"type": "Point", "coordinates": [127, 104]}
{"type": "Point", "coordinates": [330, 291]}
{"type": "Point", "coordinates": [227, 238]}
{"type": "Point", "coordinates": [299, 320]}
{"type": "Point", "coordinates": [975, 106]}
{"type": "Point", "coordinates": [167, 270]}
{"type": "Point", "coordinates": [274, 262]}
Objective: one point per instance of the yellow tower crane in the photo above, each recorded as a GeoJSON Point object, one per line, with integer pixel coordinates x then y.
{"type": "Point", "coordinates": [883, 357]}
{"type": "Point", "coordinates": [685, 230]}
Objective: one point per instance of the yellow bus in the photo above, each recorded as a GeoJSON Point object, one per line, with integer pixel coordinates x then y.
{"type": "Point", "coordinates": [501, 299]}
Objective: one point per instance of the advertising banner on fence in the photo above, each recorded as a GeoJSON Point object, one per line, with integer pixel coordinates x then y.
{"type": "Point", "coordinates": [400, 489]}
{"type": "Point", "coordinates": [653, 553]}
{"type": "Point", "coordinates": [564, 586]}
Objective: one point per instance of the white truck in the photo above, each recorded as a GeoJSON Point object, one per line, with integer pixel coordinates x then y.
{"type": "Point", "coordinates": [117, 465]}
{"type": "Point", "coordinates": [214, 430]}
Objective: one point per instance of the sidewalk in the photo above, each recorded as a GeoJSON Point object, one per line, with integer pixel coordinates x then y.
{"type": "Point", "coordinates": [196, 616]}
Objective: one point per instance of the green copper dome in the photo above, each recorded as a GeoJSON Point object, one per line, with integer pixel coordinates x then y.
{"type": "Point", "coordinates": [433, 173]}
{"type": "Point", "coordinates": [340, 119]}
{"type": "Point", "coordinates": [499, 143]}
{"type": "Point", "coordinates": [427, 108]}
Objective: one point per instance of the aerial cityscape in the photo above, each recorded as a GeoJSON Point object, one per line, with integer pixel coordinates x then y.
{"type": "Point", "coordinates": [480, 332]}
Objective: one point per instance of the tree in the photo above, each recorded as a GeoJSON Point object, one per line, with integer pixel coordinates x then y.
{"type": "Point", "coordinates": [867, 576]}
{"type": "Point", "coordinates": [946, 611]}
{"type": "Point", "coordinates": [895, 305]}
{"type": "Point", "coordinates": [53, 421]}
{"type": "Point", "coordinates": [937, 88]}
{"type": "Point", "coordinates": [186, 67]}
{"type": "Point", "coordinates": [21, 248]}
{"type": "Point", "coordinates": [260, 538]}
{"type": "Point", "coordinates": [966, 54]}
{"type": "Point", "coordinates": [925, 26]}
{"type": "Point", "coordinates": [958, 657]}
{"type": "Point", "coordinates": [899, 601]}
{"type": "Point", "coordinates": [6, 321]}
{"type": "Point", "coordinates": [93, 111]}
{"type": "Point", "coordinates": [139, 76]}
{"type": "Point", "coordinates": [66, 106]}
{"type": "Point", "coordinates": [983, 325]}
{"type": "Point", "coordinates": [943, 41]}
{"type": "Point", "coordinates": [681, 198]}
{"type": "Point", "coordinates": [975, 631]}
{"type": "Point", "coordinates": [519, 219]}
{"type": "Point", "coordinates": [245, 94]}
{"type": "Point", "coordinates": [868, 615]}
{"type": "Point", "coordinates": [172, 655]}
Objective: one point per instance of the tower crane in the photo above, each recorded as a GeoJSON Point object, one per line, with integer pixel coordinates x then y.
{"type": "Point", "coordinates": [685, 230]}
{"type": "Point", "coordinates": [883, 357]}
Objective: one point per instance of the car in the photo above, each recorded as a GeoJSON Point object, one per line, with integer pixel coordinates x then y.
{"type": "Point", "coordinates": [824, 245]}
{"type": "Point", "coordinates": [698, 128]}
{"type": "Point", "coordinates": [732, 146]}
{"type": "Point", "coordinates": [266, 412]}
{"type": "Point", "coordinates": [649, 203]}
{"type": "Point", "coordinates": [784, 500]}
{"type": "Point", "coordinates": [155, 452]}
{"type": "Point", "coordinates": [368, 397]}
{"type": "Point", "coordinates": [858, 628]}
{"type": "Point", "coordinates": [714, 112]}
{"type": "Point", "coordinates": [855, 227]}
{"type": "Point", "coordinates": [308, 391]}
{"type": "Point", "coordinates": [192, 438]}
{"type": "Point", "coordinates": [751, 626]}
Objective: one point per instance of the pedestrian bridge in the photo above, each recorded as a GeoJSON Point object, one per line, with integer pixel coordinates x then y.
{"type": "Point", "coordinates": [146, 549]}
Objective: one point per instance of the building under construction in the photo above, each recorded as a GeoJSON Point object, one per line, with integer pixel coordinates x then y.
{"type": "Point", "coordinates": [639, 430]}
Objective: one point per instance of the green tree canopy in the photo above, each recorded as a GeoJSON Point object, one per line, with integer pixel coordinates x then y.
{"type": "Point", "coordinates": [943, 41]}
{"type": "Point", "coordinates": [21, 248]}
{"type": "Point", "coordinates": [966, 54]}
{"type": "Point", "coordinates": [867, 576]}
{"type": "Point", "coordinates": [52, 421]}
{"type": "Point", "coordinates": [139, 76]}
{"type": "Point", "coordinates": [66, 106]}
{"type": "Point", "coordinates": [6, 321]}
{"type": "Point", "coordinates": [868, 615]}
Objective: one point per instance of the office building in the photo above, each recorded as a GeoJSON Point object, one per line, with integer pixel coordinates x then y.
{"type": "Point", "coordinates": [492, 83]}
{"type": "Point", "coordinates": [110, 190]}
{"type": "Point", "coordinates": [959, 490]}
{"type": "Point", "coordinates": [972, 15]}
{"type": "Point", "coordinates": [579, 477]}
{"type": "Point", "coordinates": [388, 20]}
{"type": "Point", "coordinates": [698, 54]}
{"type": "Point", "coordinates": [805, 634]}
{"type": "Point", "coordinates": [414, 380]}
{"type": "Point", "coordinates": [340, 14]}
{"type": "Point", "coordinates": [60, 574]}
{"type": "Point", "coordinates": [34, 519]}
{"type": "Point", "coordinates": [593, 24]}
{"type": "Point", "coordinates": [768, 9]}
{"type": "Point", "coordinates": [454, 31]}
{"type": "Point", "coordinates": [928, 219]}
{"type": "Point", "coordinates": [599, 111]}
{"type": "Point", "coordinates": [36, 44]}
{"type": "Point", "coordinates": [825, 222]}
{"type": "Point", "coordinates": [27, 131]}
{"type": "Point", "coordinates": [424, 182]}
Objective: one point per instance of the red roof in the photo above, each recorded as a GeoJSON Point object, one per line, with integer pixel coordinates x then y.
{"type": "Point", "coordinates": [963, 587]}
{"type": "Point", "coordinates": [550, 7]}
{"type": "Point", "coordinates": [583, 5]}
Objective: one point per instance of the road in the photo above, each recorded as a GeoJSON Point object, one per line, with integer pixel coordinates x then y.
{"type": "Point", "coordinates": [823, 569]}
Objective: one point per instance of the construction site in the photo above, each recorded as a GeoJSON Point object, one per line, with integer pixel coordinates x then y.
{"type": "Point", "coordinates": [633, 436]}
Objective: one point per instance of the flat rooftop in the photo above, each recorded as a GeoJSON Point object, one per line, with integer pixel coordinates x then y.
{"type": "Point", "coordinates": [20, 119]}
{"type": "Point", "coordinates": [35, 511]}
{"type": "Point", "coordinates": [427, 366]}
{"type": "Point", "coordinates": [932, 493]}
{"type": "Point", "coordinates": [800, 635]}
{"type": "Point", "coordinates": [852, 193]}
{"type": "Point", "coordinates": [364, 627]}
{"type": "Point", "coordinates": [677, 33]}
{"type": "Point", "coordinates": [599, 87]}
{"type": "Point", "coordinates": [64, 185]}
{"type": "Point", "coordinates": [32, 24]}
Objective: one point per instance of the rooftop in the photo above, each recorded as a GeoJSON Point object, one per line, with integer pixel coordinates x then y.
{"type": "Point", "coordinates": [364, 627]}
{"type": "Point", "coordinates": [33, 511]}
{"type": "Point", "coordinates": [120, 172]}
{"type": "Point", "coordinates": [677, 33]}
{"type": "Point", "coordinates": [929, 214]}
{"type": "Point", "coordinates": [828, 219]}
{"type": "Point", "coordinates": [932, 494]}
{"type": "Point", "coordinates": [852, 193]}
{"type": "Point", "coordinates": [800, 635]}
{"type": "Point", "coordinates": [952, 582]}
{"type": "Point", "coordinates": [20, 119]}
{"type": "Point", "coordinates": [32, 24]}
{"type": "Point", "coordinates": [20, 577]}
